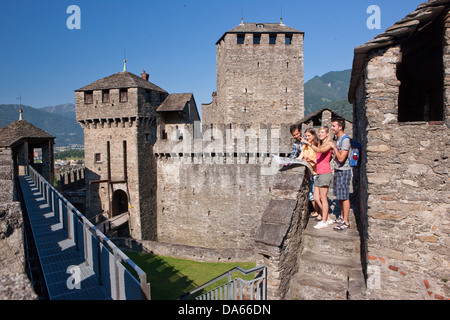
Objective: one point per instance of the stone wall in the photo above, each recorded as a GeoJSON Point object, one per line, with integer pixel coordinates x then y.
{"type": "Point", "coordinates": [182, 251]}
{"type": "Point", "coordinates": [237, 140]}
{"type": "Point", "coordinates": [146, 172]}
{"type": "Point", "coordinates": [246, 222]}
{"type": "Point", "coordinates": [6, 175]}
{"type": "Point", "coordinates": [70, 180]}
{"type": "Point", "coordinates": [402, 189]}
{"type": "Point", "coordinates": [14, 284]}
{"type": "Point", "coordinates": [11, 238]}
{"type": "Point", "coordinates": [212, 192]}
{"type": "Point", "coordinates": [212, 112]}
{"type": "Point", "coordinates": [11, 233]}
{"type": "Point", "coordinates": [129, 159]}
{"type": "Point", "coordinates": [213, 205]}
{"type": "Point", "coordinates": [136, 106]}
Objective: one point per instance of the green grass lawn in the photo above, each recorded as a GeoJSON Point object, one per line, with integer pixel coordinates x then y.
{"type": "Point", "coordinates": [169, 277]}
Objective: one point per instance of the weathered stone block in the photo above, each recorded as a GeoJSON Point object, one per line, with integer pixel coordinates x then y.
{"type": "Point", "coordinates": [279, 212]}
{"type": "Point", "coordinates": [271, 234]}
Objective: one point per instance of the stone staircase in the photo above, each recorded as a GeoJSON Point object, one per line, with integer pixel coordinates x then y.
{"type": "Point", "coordinates": [111, 226]}
{"type": "Point", "coordinates": [329, 262]}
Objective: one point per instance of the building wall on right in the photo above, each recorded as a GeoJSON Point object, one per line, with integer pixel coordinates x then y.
{"type": "Point", "coordinates": [402, 184]}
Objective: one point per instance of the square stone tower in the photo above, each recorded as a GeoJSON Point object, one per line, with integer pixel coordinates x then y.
{"type": "Point", "coordinates": [119, 118]}
{"type": "Point", "coordinates": [259, 76]}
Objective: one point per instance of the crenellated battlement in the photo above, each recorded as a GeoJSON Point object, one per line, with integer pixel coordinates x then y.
{"type": "Point", "coordinates": [70, 180]}
{"type": "Point", "coordinates": [225, 140]}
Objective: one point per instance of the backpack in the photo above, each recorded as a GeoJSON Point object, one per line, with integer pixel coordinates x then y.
{"type": "Point", "coordinates": [353, 153]}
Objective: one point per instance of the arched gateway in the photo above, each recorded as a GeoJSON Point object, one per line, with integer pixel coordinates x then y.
{"type": "Point", "coordinates": [119, 203]}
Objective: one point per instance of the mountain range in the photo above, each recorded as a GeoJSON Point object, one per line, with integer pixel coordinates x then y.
{"type": "Point", "coordinates": [59, 122]}
{"type": "Point", "coordinates": [327, 91]}
{"type": "Point", "coordinates": [67, 110]}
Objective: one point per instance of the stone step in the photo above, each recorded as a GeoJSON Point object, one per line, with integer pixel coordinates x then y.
{"type": "Point", "coordinates": [112, 224]}
{"type": "Point", "coordinates": [326, 265]}
{"type": "Point", "coordinates": [308, 287]}
{"type": "Point", "coordinates": [327, 260]}
{"type": "Point", "coordinates": [327, 240]}
{"type": "Point", "coordinates": [334, 213]}
{"type": "Point", "coordinates": [349, 234]}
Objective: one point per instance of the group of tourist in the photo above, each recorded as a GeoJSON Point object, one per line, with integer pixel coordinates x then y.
{"type": "Point", "coordinates": [317, 149]}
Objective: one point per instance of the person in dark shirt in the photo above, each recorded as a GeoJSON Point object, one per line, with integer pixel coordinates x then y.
{"type": "Point", "coordinates": [297, 145]}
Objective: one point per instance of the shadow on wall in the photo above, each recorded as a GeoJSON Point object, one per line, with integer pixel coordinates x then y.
{"type": "Point", "coordinates": [93, 189]}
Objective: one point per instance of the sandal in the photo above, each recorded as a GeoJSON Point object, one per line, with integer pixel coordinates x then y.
{"type": "Point", "coordinates": [338, 220]}
{"type": "Point", "coordinates": [341, 227]}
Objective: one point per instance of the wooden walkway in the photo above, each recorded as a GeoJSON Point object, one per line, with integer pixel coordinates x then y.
{"type": "Point", "coordinates": [64, 267]}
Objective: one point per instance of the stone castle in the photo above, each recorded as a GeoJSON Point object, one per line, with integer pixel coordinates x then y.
{"type": "Point", "coordinates": [209, 190]}
{"type": "Point", "coordinates": [212, 185]}
{"type": "Point", "coordinates": [134, 130]}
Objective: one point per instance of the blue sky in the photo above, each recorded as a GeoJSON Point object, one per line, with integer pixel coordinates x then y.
{"type": "Point", "coordinates": [173, 40]}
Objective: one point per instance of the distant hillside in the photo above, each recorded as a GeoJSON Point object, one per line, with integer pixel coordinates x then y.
{"type": "Point", "coordinates": [329, 91]}
{"type": "Point", "coordinates": [67, 110]}
{"type": "Point", "coordinates": [342, 107]}
{"type": "Point", "coordinates": [66, 130]}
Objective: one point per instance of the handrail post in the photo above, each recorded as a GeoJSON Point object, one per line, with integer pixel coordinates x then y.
{"type": "Point", "coordinates": [75, 229]}
{"type": "Point", "coordinates": [230, 285]}
{"type": "Point", "coordinates": [51, 196]}
{"type": "Point", "coordinates": [86, 249]}
{"type": "Point", "coordinates": [117, 260]}
{"type": "Point", "coordinates": [99, 260]}
{"type": "Point", "coordinates": [70, 221]}
{"type": "Point", "coordinates": [60, 212]}
{"type": "Point", "coordinates": [145, 287]}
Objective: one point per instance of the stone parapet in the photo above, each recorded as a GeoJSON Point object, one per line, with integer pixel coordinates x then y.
{"type": "Point", "coordinates": [278, 237]}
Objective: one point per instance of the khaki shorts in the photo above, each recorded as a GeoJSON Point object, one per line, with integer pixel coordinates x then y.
{"type": "Point", "coordinates": [324, 180]}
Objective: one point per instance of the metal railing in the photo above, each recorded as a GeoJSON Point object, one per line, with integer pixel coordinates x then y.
{"type": "Point", "coordinates": [105, 258]}
{"type": "Point", "coordinates": [234, 289]}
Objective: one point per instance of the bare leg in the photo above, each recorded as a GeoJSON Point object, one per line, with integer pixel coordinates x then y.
{"type": "Point", "coordinates": [317, 202]}
{"type": "Point", "coordinates": [324, 203]}
{"type": "Point", "coordinates": [345, 209]}
{"type": "Point", "coordinates": [315, 208]}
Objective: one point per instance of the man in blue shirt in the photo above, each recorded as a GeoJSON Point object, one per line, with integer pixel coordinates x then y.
{"type": "Point", "coordinates": [297, 145]}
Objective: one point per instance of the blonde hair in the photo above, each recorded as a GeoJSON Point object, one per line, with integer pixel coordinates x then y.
{"type": "Point", "coordinates": [328, 139]}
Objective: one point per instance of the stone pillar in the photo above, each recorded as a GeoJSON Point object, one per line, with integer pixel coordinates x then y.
{"type": "Point", "coordinates": [326, 118]}
{"type": "Point", "coordinates": [22, 158]}
{"type": "Point", "coordinates": [48, 161]}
